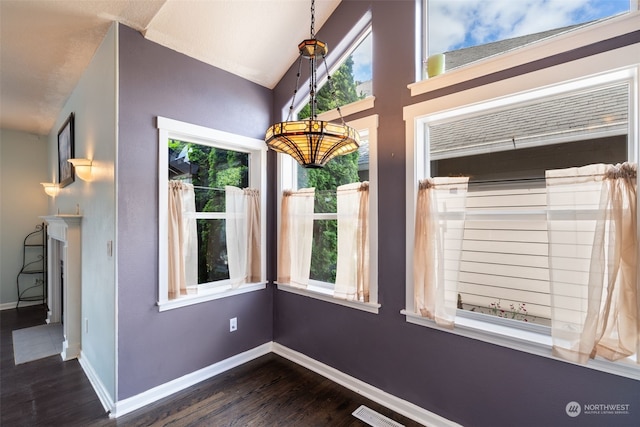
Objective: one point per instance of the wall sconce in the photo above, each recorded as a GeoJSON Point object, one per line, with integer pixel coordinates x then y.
{"type": "Point", "coordinates": [51, 188]}
{"type": "Point", "coordinates": [83, 168]}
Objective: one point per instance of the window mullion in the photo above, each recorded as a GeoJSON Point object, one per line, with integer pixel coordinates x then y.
{"type": "Point", "coordinates": [325, 216]}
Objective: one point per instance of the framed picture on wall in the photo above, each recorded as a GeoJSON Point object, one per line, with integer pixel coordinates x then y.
{"type": "Point", "coordinates": [66, 173]}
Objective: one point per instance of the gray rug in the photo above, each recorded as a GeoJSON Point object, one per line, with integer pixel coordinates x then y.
{"type": "Point", "coordinates": [37, 342]}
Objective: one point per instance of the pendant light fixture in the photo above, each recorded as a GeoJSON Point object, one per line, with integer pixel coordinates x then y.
{"type": "Point", "coordinates": [312, 142]}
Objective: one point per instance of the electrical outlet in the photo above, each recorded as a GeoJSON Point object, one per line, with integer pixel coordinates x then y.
{"type": "Point", "coordinates": [86, 325]}
{"type": "Point", "coordinates": [233, 324]}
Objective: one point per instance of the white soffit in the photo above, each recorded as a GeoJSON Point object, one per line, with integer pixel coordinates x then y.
{"type": "Point", "coordinates": [254, 39]}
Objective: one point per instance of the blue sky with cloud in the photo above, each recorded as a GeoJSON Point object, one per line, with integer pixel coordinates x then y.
{"type": "Point", "coordinates": [454, 24]}
{"type": "Point", "coordinates": [362, 60]}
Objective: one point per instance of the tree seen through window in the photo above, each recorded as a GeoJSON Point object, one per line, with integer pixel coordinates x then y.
{"type": "Point", "coordinates": [209, 169]}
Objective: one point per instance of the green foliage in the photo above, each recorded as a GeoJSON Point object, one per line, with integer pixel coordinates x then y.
{"type": "Point", "coordinates": [231, 176]}
{"type": "Point", "coordinates": [339, 171]}
{"type": "Point", "coordinates": [176, 145]}
{"type": "Point", "coordinates": [344, 86]}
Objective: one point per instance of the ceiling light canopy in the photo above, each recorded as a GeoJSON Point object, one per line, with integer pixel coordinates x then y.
{"type": "Point", "coordinates": [312, 142]}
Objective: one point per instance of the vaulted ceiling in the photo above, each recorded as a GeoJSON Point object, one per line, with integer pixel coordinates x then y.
{"type": "Point", "coordinates": [45, 45]}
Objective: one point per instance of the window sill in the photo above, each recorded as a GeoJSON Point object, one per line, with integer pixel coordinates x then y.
{"type": "Point", "coordinates": [326, 295]}
{"type": "Point", "coordinates": [533, 339]}
{"type": "Point", "coordinates": [209, 295]}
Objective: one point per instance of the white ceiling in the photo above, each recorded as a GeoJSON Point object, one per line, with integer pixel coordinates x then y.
{"type": "Point", "coordinates": [45, 45]}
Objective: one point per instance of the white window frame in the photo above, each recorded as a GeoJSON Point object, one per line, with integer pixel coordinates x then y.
{"type": "Point", "coordinates": [287, 178]}
{"type": "Point", "coordinates": [618, 65]}
{"type": "Point", "coordinates": [174, 129]}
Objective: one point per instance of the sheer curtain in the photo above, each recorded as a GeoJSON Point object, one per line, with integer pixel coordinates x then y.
{"type": "Point", "coordinates": [439, 231]}
{"type": "Point", "coordinates": [296, 237]}
{"type": "Point", "coordinates": [592, 213]}
{"type": "Point", "coordinates": [242, 228]}
{"type": "Point", "coordinates": [183, 240]}
{"type": "Point", "coordinates": [242, 225]}
{"type": "Point", "coordinates": [236, 234]}
{"type": "Point", "coordinates": [352, 275]}
{"type": "Point", "coordinates": [254, 263]}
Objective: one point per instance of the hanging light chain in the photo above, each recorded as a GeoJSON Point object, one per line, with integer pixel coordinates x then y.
{"type": "Point", "coordinates": [313, 86]}
{"type": "Point", "coordinates": [332, 90]}
{"type": "Point", "coordinates": [313, 18]}
{"type": "Point", "coordinates": [293, 99]}
{"type": "Point", "coordinates": [312, 83]}
{"type": "Point", "coordinates": [310, 141]}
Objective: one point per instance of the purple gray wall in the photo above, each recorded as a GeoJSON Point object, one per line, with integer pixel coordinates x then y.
{"type": "Point", "coordinates": [154, 347]}
{"type": "Point", "coordinates": [467, 381]}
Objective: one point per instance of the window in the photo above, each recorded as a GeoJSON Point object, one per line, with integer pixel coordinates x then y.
{"type": "Point", "coordinates": [467, 31]}
{"type": "Point", "coordinates": [507, 137]}
{"type": "Point", "coordinates": [330, 223]}
{"type": "Point", "coordinates": [209, 170]}
{"type": "Point", "coordinates": [328, 217]}
{"type": "Point", "coordinates": [503, 269]}
{"type": "Point", "coordinates": [211, 190]}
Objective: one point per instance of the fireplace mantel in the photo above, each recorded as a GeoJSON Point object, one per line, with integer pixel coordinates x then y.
{"type": "Point", "coordinates": [64, 296]}
{"type": "Point", "coordinates": [57, 225]}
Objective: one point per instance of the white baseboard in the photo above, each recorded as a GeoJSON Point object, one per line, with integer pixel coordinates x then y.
{"type": "Point", "coordinates": [130, 404]}
{"type": "Point", "coordinates": [98, 386]}
{"type": "Point", "coordinates": [10, 305]}
{"type": "Point", "coordinates": [390, 401]}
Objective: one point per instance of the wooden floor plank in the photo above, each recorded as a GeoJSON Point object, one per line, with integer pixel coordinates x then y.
{"type": "Point", "coordinates": [268, 391]}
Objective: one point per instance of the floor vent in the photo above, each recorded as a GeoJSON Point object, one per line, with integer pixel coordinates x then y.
{"type": "Point", "coordinates": [373, 418]}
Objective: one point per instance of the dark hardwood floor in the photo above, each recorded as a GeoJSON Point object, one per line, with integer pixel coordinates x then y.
{"type": "Point", "coordinates": [268, 391]}
{"type": "Point", "coordinates": [46, 391]}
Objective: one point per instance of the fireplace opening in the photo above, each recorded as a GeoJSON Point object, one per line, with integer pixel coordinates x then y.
{"type": "Point", "coordinates": [64, 284]}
